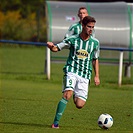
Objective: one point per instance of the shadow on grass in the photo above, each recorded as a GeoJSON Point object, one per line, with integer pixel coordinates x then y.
{"type": "Point", "coordinates": [22, 73]}
{"type": "Point", "coordinates": [26, 124]}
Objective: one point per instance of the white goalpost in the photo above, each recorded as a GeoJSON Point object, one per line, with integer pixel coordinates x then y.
{"type": "Point", "coordinates": [48, 63]}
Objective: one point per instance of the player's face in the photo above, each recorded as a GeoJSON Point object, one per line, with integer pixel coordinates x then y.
{"type": "Point", "coordinates": [82, 13]}
{"type": "Point", "coordinates": [89, 28]}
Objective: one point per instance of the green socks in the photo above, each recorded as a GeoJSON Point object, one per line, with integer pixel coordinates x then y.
{"type": "Point", "coordinates": [60, 109]}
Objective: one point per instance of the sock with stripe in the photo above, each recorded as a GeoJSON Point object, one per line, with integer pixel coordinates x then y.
{"type": "Point", "coordinates": [60, 109]}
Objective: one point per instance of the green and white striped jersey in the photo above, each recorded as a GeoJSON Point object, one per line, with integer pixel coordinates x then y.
{"type": "Point", "coordinates": [81, 54]}
{"type": "Point", "coordinates": [74, 29]}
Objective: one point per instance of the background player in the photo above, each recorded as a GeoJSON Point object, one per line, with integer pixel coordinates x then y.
{"type": "Point", "coordinates": [76, 28]}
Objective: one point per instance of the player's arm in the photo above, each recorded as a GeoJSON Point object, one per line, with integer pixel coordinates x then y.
{"type": "Point", "coordinates": [52, 47]}
{"type": "Point", "coordinates": [95, 63]}
{"type": "Point", "coordinates": [59, 46]}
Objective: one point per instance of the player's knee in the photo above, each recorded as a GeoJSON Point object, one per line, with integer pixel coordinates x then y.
{"type": "Point", "coordinates": [79, 103]}
{"type": "Point", "coordinates": [67, 94]}
{"type": "Point", "coordinates": [79, 106]}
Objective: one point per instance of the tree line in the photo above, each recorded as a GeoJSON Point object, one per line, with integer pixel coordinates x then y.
{"type": "Point", "coordinates": [25, 7]}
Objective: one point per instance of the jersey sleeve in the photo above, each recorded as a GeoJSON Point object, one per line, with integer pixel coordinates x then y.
{"type": "Point", "coordinates": [97, 52]}
{"type": "Point", "coordinates": [69, 32]}
{"type": "Point", "coordinates": [73, 29]}
{"type": "Point", "coordinates": [63, 45]}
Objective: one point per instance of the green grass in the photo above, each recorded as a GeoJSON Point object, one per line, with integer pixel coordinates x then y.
{"type": "Point", "coordinates": [28, 101]}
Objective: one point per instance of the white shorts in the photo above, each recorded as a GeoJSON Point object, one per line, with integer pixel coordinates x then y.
{"type": "Point", "coordinates": [77, 84]}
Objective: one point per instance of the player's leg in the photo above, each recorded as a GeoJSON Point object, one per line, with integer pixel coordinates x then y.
{"type": "Point", "coordinates": [81, 92]}
{"type": "Point", "coordinates": [61, 106]}
{"type": "Point", "coordinates": [79, 102]}
{"type": "Point", "coordinates": [69, 83]}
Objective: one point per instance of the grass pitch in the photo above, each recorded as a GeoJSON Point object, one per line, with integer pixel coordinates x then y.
{"type": "Point", "coordinates": [28, 101]}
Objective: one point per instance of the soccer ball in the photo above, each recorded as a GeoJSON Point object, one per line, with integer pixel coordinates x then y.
{"type": "Point", "coordinates": [105, 121]}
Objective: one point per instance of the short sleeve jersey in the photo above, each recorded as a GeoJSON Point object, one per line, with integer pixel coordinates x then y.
{"type": "Point", "coordinates": [74, 29]}
{"type": "Point", "coordinates": [81, 54]}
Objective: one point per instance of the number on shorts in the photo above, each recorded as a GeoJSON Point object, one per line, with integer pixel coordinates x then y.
{"type": "Point", "coordinates": [70, 82]}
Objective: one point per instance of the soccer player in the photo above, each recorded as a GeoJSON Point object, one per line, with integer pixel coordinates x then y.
{"type": "Point", "coordinates": [78, 68]}
{"type": "Point", "coordinates": [76, 28]}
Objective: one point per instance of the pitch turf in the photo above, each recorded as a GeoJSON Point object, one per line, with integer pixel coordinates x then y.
{"type": "Point", "coordinates": [28, 101]}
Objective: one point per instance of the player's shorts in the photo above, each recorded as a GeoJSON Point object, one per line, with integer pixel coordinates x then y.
{"type": "Point", "coordinates": [77, 84]}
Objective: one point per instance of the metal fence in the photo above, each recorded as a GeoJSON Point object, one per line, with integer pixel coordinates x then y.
{"type": "Point", "coordinates": [48, 56]}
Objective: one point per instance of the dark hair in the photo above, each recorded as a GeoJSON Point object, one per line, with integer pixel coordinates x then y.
{"type": "Point", "coordinates": [87, 20]}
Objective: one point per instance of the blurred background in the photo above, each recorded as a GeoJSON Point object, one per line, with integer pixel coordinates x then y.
{"type": "Point", "coordinates": [26, 20]}
{"type": "Point", "coordinates": [22, 20]}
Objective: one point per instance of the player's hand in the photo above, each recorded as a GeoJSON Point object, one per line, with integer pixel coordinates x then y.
{"type": "Point", "coordinates": [50, 45]}
{"type": "Point", "coordinates": [96, 80]}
